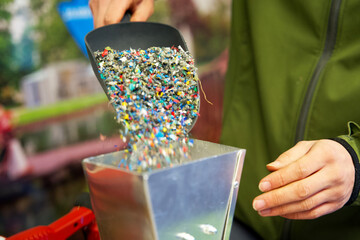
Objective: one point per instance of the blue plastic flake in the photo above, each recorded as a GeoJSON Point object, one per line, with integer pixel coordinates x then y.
{"type": "Point", "coordinates": [147, 90]}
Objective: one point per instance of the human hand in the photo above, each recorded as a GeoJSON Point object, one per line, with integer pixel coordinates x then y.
{"type": "Point", "coordinates": [112, 11]}
{"type": "Point", "coordinates": [310, 180]}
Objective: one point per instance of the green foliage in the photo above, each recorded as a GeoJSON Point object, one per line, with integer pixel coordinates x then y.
{"type": "Point", "coordinates": [5, 15]}
{"type": "Point", "coordinates": [55, 43]}
{"type": "Point", "coordinates": [9, 76]}
{"type": "Point", "coordinates": [5, 3]}
{"type": "Point", "coordinates": [161, 13]}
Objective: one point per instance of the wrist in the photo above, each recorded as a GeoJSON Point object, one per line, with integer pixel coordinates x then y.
{"type": "Point", "coordinates": [355, 159]}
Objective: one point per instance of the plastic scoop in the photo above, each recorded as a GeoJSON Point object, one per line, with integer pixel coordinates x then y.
{"type": "Point", "coordinates": [135, 35]}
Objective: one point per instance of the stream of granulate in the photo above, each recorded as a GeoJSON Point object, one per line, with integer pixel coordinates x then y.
{"type": "Point", "coordinates": [156, 98]}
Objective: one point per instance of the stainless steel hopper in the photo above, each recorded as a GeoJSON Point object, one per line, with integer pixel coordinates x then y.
{"type": "Point", "coordinates": [194, 200]}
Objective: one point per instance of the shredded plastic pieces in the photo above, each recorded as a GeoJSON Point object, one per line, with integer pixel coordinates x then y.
{"type": "Point", "coordinates": [156, 98]}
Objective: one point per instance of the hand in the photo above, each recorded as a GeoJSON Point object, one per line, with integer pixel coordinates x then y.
{"type": "Point", "coordinates": [112, 11]}
{"type": "Point", "coordinates": [310, 180]}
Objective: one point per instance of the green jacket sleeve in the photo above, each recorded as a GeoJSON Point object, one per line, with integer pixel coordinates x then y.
{"type": "Point", "coordinates": [352, 144]}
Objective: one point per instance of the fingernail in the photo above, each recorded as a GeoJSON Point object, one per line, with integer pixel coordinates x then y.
{"type": "Point", "coordinates": [265, 212]}
{"type": "Point", "coordinates": [275, 164]}
{"type": "Point", "coordinates": [265, 186]}
{"type": "Point", "coordinates": [258, 204]}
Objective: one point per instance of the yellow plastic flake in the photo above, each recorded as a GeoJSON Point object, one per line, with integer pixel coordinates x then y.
{"type": "Point", "coordinates": [134, 147]}
{"type": "Point", "coordinates": [178, 93]}
{"type": "Point", "coordinates": [109, 49]}
{"type": "Point", "coordinates": [164, 129]}
{"type": "Point", "coordinates": [126, 117]}
{"type": "Point", "coordinates": [124, 104]}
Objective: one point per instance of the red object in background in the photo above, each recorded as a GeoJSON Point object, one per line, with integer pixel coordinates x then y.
{"type": "Point", "coordinates": [5, 122]}
{"type": "Point", "coordinates": [209, 123]}
{"type": "Point", "coordinates": [78, 218]}
{"type": "Point", "coordinates": [13, 162]}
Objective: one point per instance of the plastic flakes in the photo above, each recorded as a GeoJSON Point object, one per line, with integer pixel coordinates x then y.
{"type": "Point", "coordinates": [155, 95]}
{"type": "Point", "coordinates": [184, 236]}
{"type": "Point", "coordinates": [208, 229]}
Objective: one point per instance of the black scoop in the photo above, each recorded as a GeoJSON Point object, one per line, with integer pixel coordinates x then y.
{"type": "Point", "coordinates": [135, 35]}
{"type": "Point", "coordinates": [123, 36]}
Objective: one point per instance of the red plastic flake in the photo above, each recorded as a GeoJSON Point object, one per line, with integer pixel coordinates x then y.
{"type": "Point", "coordinates": [104, 53]}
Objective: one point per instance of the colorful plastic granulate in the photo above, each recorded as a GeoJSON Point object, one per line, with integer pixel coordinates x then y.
{"type": "Point", "coordinates": [156, 98]}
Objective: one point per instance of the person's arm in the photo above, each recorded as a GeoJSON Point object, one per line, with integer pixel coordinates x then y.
{"type": "Point", "coordinates": [312, 179]}
{"type": "Point", "coordinates": [112, 11]}
{"type": "Point", "coordinates": [352, 144]}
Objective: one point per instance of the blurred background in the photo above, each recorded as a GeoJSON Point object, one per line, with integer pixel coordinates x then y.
{"type": "Point", "coordinates": [53, 112]}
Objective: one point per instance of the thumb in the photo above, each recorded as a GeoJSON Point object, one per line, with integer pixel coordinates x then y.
{"type": "Point", "coordinates": [291, 155]}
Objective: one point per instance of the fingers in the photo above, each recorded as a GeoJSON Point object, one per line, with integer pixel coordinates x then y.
{"type": "Point", "coordinates": [116, 10]}
{"type": "Point", "coordinates": [293, 192]}
{"type": "Point", "coordinates": [98, 9]}
{"type": "Point", "coordinates": [318, 183]}
{"type": "Point", "coordinates": [297, 170]}
{"type": "Point", "coordinates": [143, 11]}
{"type": "Point", "coordinates": [310, 205]}
{"type": "Point", "coordinates": [112, 11]}
{"type": "Point", "coordinates": [293, 154]}
{"type": "Point", "coordinates": [319, 211]}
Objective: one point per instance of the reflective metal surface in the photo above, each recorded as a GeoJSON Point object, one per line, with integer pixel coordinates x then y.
{"type": "Point", "coordinates": [169, 203]}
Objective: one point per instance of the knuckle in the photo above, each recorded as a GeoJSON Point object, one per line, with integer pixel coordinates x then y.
{"type": "Point", "coordinates": [302, 143]}
{"type": "Point", "coordinates": [339, 195]}
{"type": "Point", "coordinates": [301, 170]}
{"type": "Point", "coordinates": [338, 205]}
{"type": "Point", "coordinates": [338, 177]}
{"type": "Point", "coordinates": [307, 204]}
{"type": "Point", "coordinates": [324, 209]}
{"type": "Point", "coordinates": [92, 4]}
{"type": "Point", "coordinates": [281, 211]}
{"type": "Point", "coordinates": [276, 198]}
{"type": "Point", "coordinates": [315, 213]}
{"type": "Point", "coordinates": [302, 190]}
{"type": "Point", "coordinates": [109, 20]}
{"type": "Point", "coordinates": [281, 179]}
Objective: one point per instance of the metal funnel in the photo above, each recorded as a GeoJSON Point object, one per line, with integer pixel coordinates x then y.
{"type": "Point", "coordinates": [194, 200]}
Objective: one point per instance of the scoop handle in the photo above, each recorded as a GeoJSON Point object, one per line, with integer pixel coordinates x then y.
{"type": "Point", "coordinates": [126, 17]}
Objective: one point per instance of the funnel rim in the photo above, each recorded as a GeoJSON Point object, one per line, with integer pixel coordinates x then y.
{"type": "Point", "coordinates": [147, 174]}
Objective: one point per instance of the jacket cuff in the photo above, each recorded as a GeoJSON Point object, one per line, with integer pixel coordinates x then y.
{"type": "Point", "coordinates": [351, 143]}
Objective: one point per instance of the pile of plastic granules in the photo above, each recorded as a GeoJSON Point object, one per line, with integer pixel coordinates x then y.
{"type": "Point", "coordinates": [156, 98]}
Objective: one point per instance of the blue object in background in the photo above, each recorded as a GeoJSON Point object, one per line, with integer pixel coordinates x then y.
{"type": "Point", "coordinates": [77, 17]}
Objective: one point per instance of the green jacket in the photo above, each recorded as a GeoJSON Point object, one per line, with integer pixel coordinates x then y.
{"type": "Point", "coordinates": [294, 74]}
